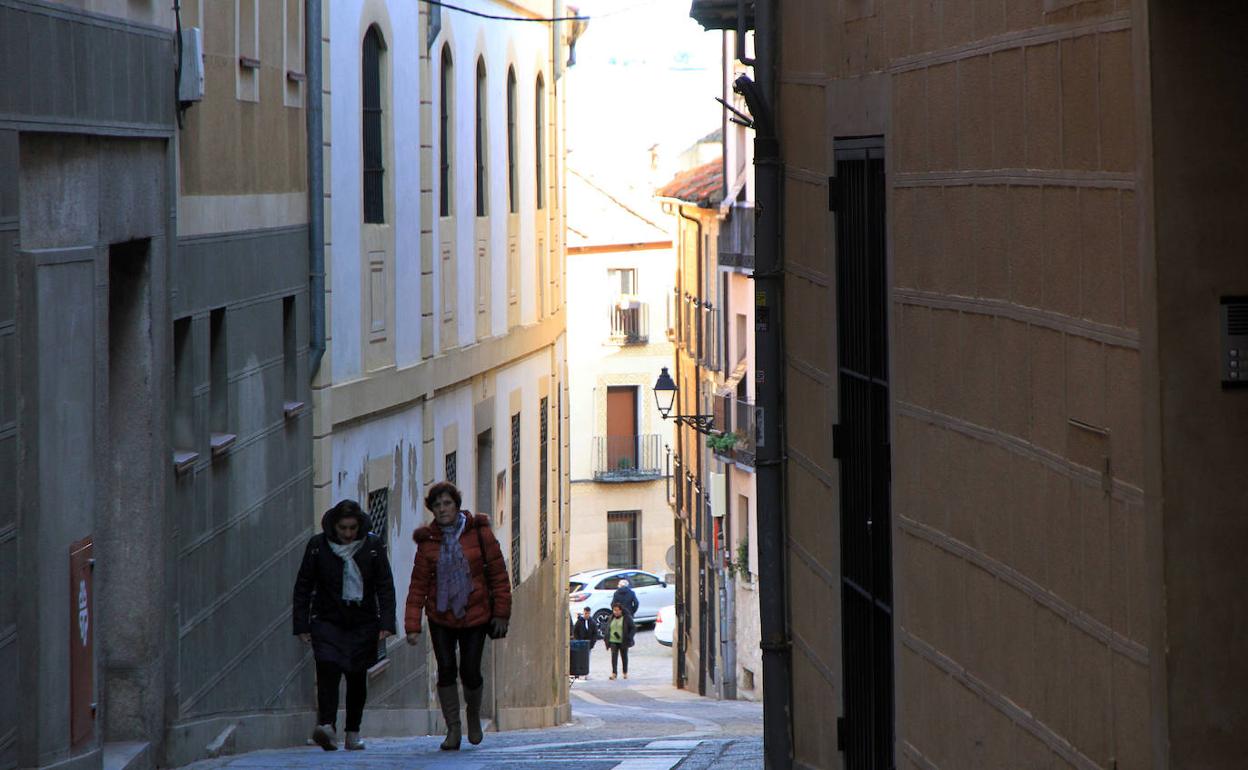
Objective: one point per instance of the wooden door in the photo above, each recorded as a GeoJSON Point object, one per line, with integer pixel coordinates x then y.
{"type": "Point", "coordinates": [621, 428]}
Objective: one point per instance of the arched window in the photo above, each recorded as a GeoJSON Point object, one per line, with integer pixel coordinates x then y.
{"type": "Point", "coordinates": [374, 161]}
{"type": "Point", "coordinates": [539, 141]}
{"type": "Point", "coordinates": [513, 204]}
{"type": "Point", "coordinates": [446, 131]}
{"type": "Point", "coordinates": [482, 141]}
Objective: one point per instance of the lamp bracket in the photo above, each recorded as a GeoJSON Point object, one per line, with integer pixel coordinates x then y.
{"type": "Point", "coordinates": [702, 423]}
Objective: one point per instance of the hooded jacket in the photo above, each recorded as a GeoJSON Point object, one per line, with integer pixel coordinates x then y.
{"type": "Point", "coordinates": [491, 590]}
{"type": "Point", "coordinates": [318, 588]}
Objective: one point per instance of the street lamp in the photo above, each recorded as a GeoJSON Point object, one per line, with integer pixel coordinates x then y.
{"type": "Point", "coordinates": [664, 396]}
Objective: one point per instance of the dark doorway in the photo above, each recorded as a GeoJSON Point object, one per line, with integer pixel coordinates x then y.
{"type": "Point", "coordinates": [862, 446]}
{"type": "Point", "coordinates": [485, 473]}
{"type": "Point", "coordinates": [132, 392]}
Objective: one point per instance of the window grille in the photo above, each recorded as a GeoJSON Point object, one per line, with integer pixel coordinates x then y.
{"type": "Point", "coordinates": [450, 467]}
{"type": "Point", "coordinates": [543, 480]}
{"type": "Point", "coordinates": [378, 513]}
{"type": "Point", "coordinates": [515, 499]}
{"type": "Point", "coordinates": [622, 540]}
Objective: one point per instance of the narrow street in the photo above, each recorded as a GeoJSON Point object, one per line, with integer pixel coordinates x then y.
{"type": "Point", "coordinates": [642, 723]}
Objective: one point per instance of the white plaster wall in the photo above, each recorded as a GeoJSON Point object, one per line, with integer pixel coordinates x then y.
{"type": "Point", "coordinates": [595, 358]}
{"type": "Point", "coordinates": [347, 22]}
{"type": "Point", "coordinates": [525, 375]}
{"type": "Point", "coordinates": [396, 438]}
{"type": "Point", "coordinates": [526, 47]}
{"type": "Point", "coordinates": [454, 407]}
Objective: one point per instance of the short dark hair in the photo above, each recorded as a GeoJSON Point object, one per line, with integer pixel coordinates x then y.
{"type": "Point", "coordinates": [346, 509]}
{"type": "Point", "coordinates": [443, 488]}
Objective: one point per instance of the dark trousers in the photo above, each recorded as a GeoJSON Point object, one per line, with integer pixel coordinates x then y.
{"type": "Point", "coordinates": [471, 643]}
{"type": "Point", "coordinates": [618, 650]}
{"type": "Point", "coordinates": [327, 677]}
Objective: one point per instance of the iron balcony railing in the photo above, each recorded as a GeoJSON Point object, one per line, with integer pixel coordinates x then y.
{"type": "Point", "coordinates": [736, 417]}
{"type": "Point", "coordinates": [630, 322]}
{"type": "Point", "coordinates": [628, 458]}
{"type": "Point", "coordinates": [736, 238]}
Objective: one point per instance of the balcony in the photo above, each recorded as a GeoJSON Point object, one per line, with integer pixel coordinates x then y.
{"type": "Point", "coordinates": [630, 322]}
{"type": "Point", "coordinates": [736, 238]}
{"type": "Point", "coordinates": [628, 458]}
{"type": "Point", "coordinates": [736, 417]}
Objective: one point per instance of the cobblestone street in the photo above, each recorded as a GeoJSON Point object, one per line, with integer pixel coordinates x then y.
{"type": "Point", "coordinates": [642, 723]}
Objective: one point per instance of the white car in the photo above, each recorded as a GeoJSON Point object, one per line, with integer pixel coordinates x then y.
{"type": "Point", "coordinates": [665, 625]}
{"type": "Point", "coordinates": [595, 589]}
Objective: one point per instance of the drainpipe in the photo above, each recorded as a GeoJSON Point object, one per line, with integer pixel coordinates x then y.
{"type": "Point", "coordinates": [769, 389]}
{"type": "Point", "coordinates": [316, 185]}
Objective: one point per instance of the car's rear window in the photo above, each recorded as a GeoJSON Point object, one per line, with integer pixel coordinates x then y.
{"type": "Point", "coordinates": [574, 586]}
{"type": "Point", "coordinates": [609, 584]}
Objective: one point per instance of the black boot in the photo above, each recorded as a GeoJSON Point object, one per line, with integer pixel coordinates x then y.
{"type": "Point", "coordinates": [472, 704]}
{"type": "Point", "coordinates": [449, 698]}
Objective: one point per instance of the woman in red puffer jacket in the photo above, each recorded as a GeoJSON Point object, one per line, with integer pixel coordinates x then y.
{"type": "Point", "coordinates": [459, 580]}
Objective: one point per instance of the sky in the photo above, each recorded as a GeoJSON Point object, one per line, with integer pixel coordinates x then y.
{"type": "Point", "coordinates": [646, 74]}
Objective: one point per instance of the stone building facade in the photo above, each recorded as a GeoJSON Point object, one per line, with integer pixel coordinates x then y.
{"type": "Point", "coordinates": [154, 291]}
{"type": "Point", "coordinates": [446, 347]}
{"type": "Point", "coordinates": [621, 260]}
{"type": "Point", "coordinates": [1012, 244]}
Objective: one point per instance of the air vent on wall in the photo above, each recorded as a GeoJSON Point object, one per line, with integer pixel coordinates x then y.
{"type": "Point", "coordinates": [1234, 342]}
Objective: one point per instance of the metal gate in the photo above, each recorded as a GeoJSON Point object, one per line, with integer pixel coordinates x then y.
{"type": "Point", "coordinates": [861, 445]}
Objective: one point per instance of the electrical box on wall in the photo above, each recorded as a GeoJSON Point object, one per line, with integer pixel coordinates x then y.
{"type": "Point", "coordinates": [1234, 342]}
{"type": "Point", "coordinates": [191, 83]}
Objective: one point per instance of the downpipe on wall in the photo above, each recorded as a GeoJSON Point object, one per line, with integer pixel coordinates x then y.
{"type": "Point", "coordinates": [775, 643]}
{"type": "Point", "coordinates": [316, 185]}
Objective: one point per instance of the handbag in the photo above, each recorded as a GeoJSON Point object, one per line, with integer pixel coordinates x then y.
{"type": "Point", "coordinates": [485, 566]}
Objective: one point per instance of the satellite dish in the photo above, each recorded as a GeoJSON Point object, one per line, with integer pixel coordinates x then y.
{"type": "Point", "coordinates": [671, 558]}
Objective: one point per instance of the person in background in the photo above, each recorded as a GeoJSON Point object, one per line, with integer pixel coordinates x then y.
{"type": "Point", "coordinates": [343, 604]}
{"type": "Point", "coordinates": [585, 629]}
{"type": "Point", "coordinates": [459, 581]}
{"type": "Point", "coordinates": [619, 634]}
{"type": "Point", "coordinates": [625, 597]}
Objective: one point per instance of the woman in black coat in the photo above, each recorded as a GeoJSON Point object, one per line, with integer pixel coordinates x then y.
{"type": "Point", "coordinates": [619, 631]}
{"type": "Point", "coordinates": [343, 605]}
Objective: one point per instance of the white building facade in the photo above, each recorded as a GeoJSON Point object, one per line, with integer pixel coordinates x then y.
{"type": "Point", "coordinates": [621, 263]}
{"type": "Point", "coordinates": [446, 348]}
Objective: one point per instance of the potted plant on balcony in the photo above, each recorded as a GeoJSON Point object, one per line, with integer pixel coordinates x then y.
{"type": "Point", "coordinates": [723, 443]}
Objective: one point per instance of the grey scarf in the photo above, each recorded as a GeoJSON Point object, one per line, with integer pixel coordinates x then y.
{"type": "Point", "coordinates": [454, 578]}
{"type": "Point", "coordinates": [352, 581]}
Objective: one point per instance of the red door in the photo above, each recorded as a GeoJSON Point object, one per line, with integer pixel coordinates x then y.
{"type": "Point", "coordinates": [621, 429]}
{"type": "Point", "coordinates": [81, 645]}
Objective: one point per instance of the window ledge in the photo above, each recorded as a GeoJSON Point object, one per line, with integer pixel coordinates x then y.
{"type": "Point", "coordinates": [183, 459]}
{"type": "Point", "coordinates": [221, 442]}
{"type": "Point", "coordinates": [248, 63]}
{"type": "Point", "coordinates": [297, 77]}
{"type": "Point", "coordinates": [292, 409]}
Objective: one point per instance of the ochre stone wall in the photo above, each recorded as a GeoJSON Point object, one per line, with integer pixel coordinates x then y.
{"type": "Point", "coordinates": [1021, 609]}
